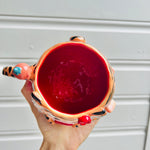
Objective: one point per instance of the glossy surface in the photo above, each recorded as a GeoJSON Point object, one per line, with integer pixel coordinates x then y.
{"type": "Point", "coordinates": [73, 78]}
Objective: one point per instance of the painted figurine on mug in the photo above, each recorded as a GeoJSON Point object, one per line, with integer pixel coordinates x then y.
{"type": "Point", "coordinates": [73, 82]}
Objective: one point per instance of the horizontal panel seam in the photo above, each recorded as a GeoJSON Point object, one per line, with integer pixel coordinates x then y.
{"type": "Point", "coordinates": [12, 102]}
{"type": "Point", "coordinates": [76, 24]}
{"type": "Point", "coordinates": [98, 134]}
{"type": "Point", "coordinates": [74, 19]}
{"type": "Point", "coordinates": [112, 61]}
{"type": "Point", "coordinates": [30, 133]}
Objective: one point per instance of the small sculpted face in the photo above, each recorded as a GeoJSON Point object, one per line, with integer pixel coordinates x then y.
{"type": "Point", "coordinates": [73, 78]}
{"type": "Point", "coordinates": [22, 71]}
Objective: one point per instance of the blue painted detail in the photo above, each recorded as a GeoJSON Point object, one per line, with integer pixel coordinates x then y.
{"type": "Point", "coordinates": [17, 70]}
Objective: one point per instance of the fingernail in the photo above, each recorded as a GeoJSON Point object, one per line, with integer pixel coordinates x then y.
{"type": "Point", "coordinates": [28, 83]}
{"type": "Point", "coordinates": [110, 108]}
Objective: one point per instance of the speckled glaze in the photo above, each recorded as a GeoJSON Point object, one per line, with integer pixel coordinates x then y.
{"type": "Point", "coordinates": [57, 114]}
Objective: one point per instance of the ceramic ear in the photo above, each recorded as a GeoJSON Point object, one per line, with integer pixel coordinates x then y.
{"type": "Point", "coordinates": [77, 39]}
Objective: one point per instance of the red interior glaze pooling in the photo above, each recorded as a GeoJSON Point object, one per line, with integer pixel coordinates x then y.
{"type": "Point", "coordinates": [73, 78]}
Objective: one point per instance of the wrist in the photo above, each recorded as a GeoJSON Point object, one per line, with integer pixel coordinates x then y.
{"type": "Point", "coordinates": [55, 146]}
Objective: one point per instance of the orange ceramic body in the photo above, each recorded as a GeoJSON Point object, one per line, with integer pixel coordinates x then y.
{"type": "Point", "coordinates": [73, 82]}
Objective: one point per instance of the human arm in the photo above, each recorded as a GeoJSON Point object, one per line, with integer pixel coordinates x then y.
{"type": "Point", "coordinates": [60, 137]}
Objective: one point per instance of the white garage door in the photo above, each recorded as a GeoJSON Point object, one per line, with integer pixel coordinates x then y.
{"type": "Point", "coordinates": [119, 29]}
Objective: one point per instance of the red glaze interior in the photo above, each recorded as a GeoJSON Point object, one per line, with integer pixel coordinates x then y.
{"type": "Point", "coordinates": [73, 78]}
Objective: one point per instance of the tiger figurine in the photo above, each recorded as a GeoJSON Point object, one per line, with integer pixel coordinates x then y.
{"type": "Point", "coordinates": [21, 71]}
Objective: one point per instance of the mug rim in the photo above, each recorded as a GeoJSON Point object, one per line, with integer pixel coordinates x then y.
{"type": "Point", "coordinates": [55, 112]}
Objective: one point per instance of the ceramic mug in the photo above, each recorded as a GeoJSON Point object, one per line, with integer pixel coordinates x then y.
{"type": "Point", "coordinates": [73, 82]}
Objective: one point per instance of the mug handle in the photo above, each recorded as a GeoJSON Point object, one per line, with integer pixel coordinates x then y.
{"type": "Point", "coordinates": [21, 71]}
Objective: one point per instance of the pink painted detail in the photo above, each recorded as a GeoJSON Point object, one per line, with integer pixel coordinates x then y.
{"type": "Point", "coordinates": [84, 120]}
{"type": "Point", "coordinates": [25, 71]}
{"type": "Point", "coordinates": [56, 121]}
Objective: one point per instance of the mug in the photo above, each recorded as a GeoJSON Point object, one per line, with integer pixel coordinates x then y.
{"type": "Point", "coordinates": [72, 81]}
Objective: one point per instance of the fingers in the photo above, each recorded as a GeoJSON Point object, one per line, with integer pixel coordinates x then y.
{"type": "Point", "coordinates": [111, 106]}
{"type": "Point", "coordinates": [26, 91]}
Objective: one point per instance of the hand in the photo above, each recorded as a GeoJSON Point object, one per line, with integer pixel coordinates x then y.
{"type": "Point", "coordinates": [57, 136]}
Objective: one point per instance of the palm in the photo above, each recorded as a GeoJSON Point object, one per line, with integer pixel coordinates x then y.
{"type": "Point", "coordinates": [64, 134]}
{"type": "Point", "coordinates": [74, 136]}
